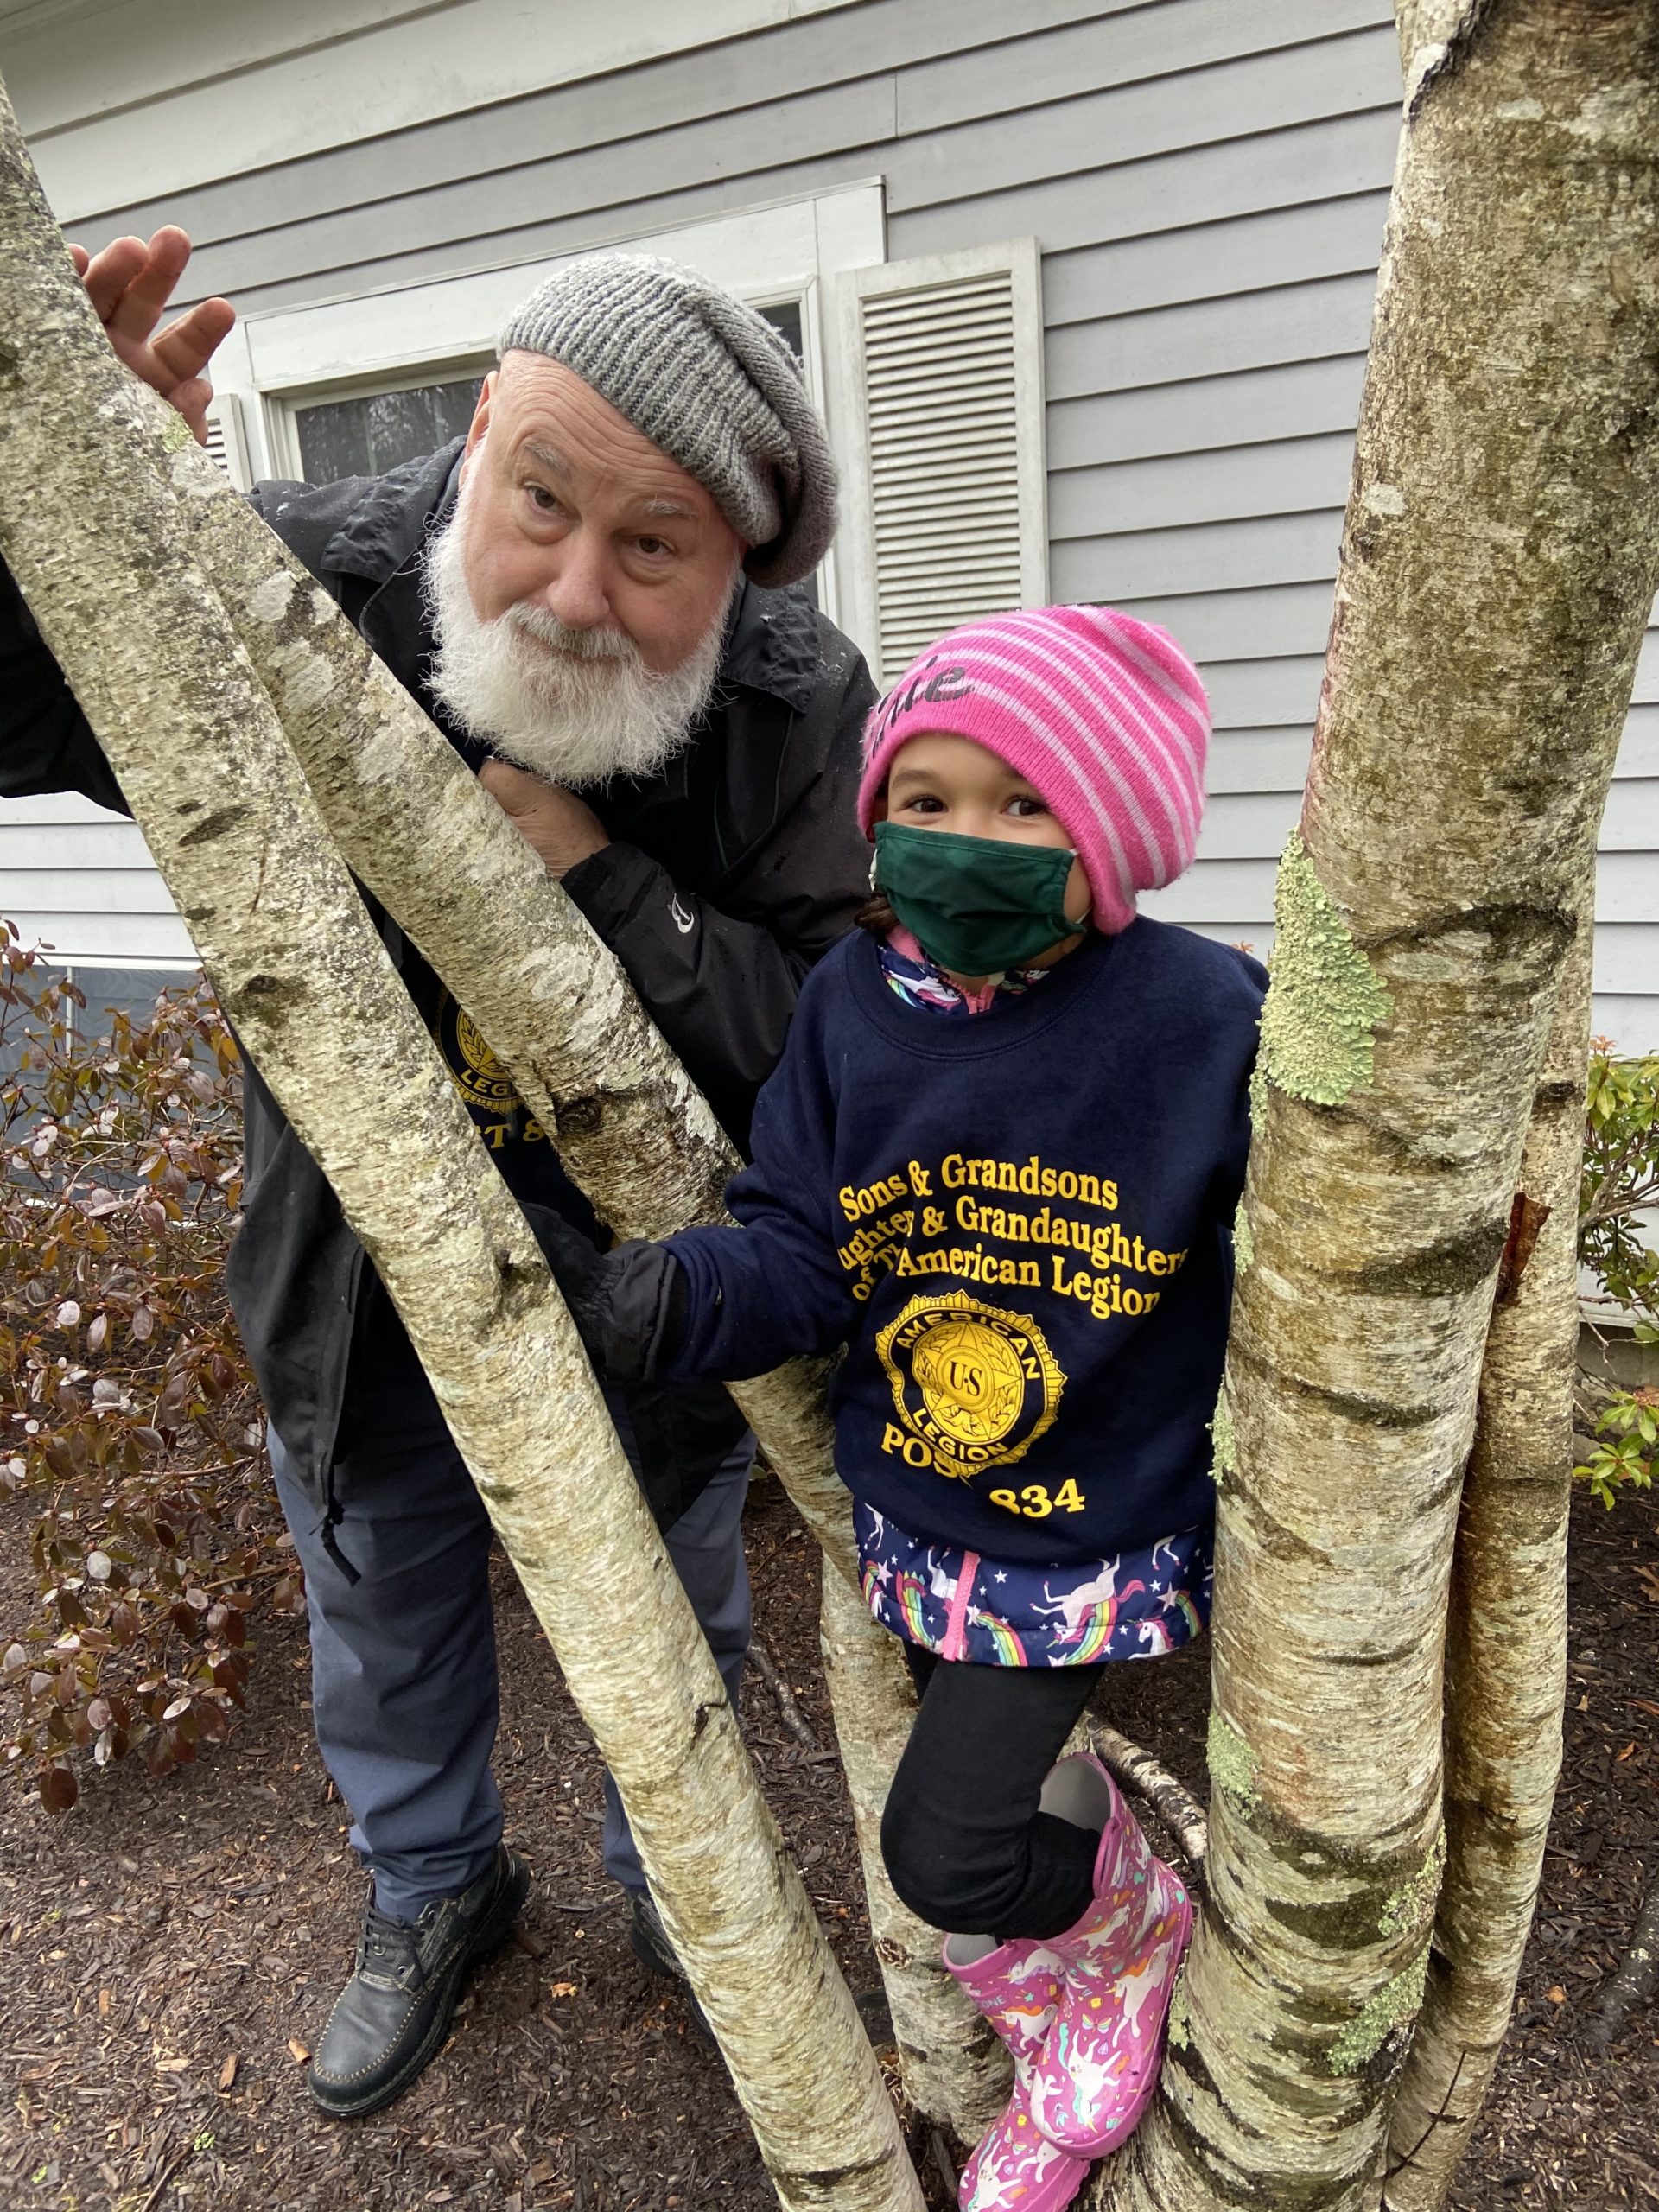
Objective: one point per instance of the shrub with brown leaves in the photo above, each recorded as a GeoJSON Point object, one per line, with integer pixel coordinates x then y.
{"type": "Point", "coordinates": [127, 1402]}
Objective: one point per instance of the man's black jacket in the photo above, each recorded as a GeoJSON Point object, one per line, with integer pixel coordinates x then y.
{"type": "Point", "coordinates": [728, 876]}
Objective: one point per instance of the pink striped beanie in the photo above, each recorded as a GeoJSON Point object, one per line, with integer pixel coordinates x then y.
{"type": "Point", "coordinates": [1104, 717]}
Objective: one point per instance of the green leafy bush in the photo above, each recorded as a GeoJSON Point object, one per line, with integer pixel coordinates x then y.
{"type": "Point", "coordinates": [1621, 1177]}
{"type": "Point", "coordinates": [126, 1402]}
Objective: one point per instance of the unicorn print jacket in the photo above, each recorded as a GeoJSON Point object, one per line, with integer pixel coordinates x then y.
{"type": "Point", "coordinates": [995, 1612]}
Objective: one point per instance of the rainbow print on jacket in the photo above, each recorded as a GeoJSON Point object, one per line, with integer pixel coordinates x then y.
{"type": "Point", "coordinates": [1137, 1606]}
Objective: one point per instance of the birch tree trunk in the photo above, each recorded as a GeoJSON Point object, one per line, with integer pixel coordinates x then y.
{"type": "Point", "coordinates": [1506, 1656]}
{"type": "Point", "coordinates": [102, 554]}
{"type": "Point", "coordinates": [1499, 560]}
{"type": "Point", "coordinates": [955, 2069]}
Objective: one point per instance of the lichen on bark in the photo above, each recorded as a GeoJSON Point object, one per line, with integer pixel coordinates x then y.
{"type": "Point", "coordinates": [1233, 1765]}
{"type": "Point", "coordinates": [1370, 2029]}
{"type": "Point", "coordinates": [1324, 1001]}
{"type": "Point", "coordinates": [1413, 1903]}
{"type": "Point", "coordinates": [1225, 1442]}
{"type": "Point", "coordinates": [1179, 2030]}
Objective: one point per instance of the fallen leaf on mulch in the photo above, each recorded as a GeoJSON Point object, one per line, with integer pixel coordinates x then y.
{"type": "Point", "coordinates": [298, 2049]}
{"type": "Point", "coordinates": [227, 2073]}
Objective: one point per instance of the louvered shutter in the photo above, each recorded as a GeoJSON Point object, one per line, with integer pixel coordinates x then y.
{"type": "Point", "coordinates": [226, 441]}
{"type": "Point", "coordinates": [947, 514]}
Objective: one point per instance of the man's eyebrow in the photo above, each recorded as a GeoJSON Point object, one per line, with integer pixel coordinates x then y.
{"type": "Point", "coordinates": [662, 508]}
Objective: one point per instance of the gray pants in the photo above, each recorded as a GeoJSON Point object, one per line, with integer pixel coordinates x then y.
{"type": "Point", "coordinates": [403, 1661]}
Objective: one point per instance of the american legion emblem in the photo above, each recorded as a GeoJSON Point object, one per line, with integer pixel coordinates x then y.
{"type": "Point", "coordinates": [975, 1385]}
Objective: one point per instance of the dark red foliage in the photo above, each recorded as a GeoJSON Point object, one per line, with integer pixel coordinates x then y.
{"type": "Point", "coordinates": [127, 1402]}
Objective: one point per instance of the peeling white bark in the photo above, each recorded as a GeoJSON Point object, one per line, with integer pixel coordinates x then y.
{"type": "Point", "coordinates": [101, 552]}
{"type": "Point", "coordinates": [1435, 35]}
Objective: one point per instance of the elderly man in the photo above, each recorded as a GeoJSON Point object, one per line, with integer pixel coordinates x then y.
{"type": "Point", "coordinates": [596, 597]}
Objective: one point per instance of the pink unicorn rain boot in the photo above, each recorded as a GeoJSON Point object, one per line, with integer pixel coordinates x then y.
{"type": "Point", "coordinates": [1092, 2080]}
{"type": "Point", "coordinates": [1017, 1987]}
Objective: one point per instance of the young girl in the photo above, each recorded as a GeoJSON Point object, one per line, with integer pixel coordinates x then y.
{"type": "Point", "coordinates": [999, 1161]}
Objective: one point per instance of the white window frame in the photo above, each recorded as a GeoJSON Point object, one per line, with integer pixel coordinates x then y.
{"type": "Point", "coordinates": [280, 358]}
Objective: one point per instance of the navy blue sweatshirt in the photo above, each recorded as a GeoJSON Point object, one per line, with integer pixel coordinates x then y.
{"type": "Point", "coordinates": [1019, 1225]}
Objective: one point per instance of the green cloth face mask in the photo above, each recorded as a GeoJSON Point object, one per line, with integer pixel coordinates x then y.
{"type": "Point", "coordinates": [976, 906]}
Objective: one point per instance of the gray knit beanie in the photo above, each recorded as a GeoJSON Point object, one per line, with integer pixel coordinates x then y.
{"type": "Point", "coordinates": [708, 380]}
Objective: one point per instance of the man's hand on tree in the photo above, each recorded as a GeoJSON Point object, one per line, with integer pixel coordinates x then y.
{"type": "Point", "coordinates": [130, 283]}
{"type": "Point", "coordinates": [553, 821]}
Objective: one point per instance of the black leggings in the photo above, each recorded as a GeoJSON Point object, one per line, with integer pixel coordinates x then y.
{"type": "Point", "coordinates": [966, 1847]}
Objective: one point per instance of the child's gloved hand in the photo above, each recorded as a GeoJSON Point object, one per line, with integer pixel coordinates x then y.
{"type": "Point", "coordinates": [628, 1305]}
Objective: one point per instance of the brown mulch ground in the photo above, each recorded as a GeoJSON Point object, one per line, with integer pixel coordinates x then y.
{"type": "Point", "coordinates": [165, 1941]}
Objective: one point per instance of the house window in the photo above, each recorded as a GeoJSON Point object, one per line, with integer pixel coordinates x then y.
{"type": "Point", "coordinates": [131, 991]}
{"type": "Point", "coordinates": [371, 432]}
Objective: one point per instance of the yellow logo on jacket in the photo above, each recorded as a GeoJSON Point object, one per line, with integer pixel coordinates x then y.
{"type": "Point", "coordinates": [974, 1385]}
{"type": "Point", "coordinates": [479, 1076]}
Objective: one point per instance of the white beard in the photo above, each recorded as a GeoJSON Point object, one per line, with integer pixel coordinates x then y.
{"type": "Point", "coordinates": [573, 706]}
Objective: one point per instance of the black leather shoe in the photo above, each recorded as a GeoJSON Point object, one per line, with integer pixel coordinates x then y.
{"type": "Point", "coordinates": [392, 2016]}
{"type": "Point", "coordinates": [648, 1941]}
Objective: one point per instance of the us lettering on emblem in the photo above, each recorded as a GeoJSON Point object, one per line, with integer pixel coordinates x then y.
{"type": "Point", "coordinates": [974, 1384]}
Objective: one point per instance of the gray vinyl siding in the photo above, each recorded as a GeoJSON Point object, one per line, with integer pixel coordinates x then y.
{"type": "Point", "coordinates": [82, 882]}
{"type": "Point", "coordinates": [1207, 180]}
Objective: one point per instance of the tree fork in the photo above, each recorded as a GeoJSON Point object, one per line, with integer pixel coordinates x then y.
{"type": "Point", "coordinates": [1498, 565]}
{"type": "Point", "coordinates": [102, 554]}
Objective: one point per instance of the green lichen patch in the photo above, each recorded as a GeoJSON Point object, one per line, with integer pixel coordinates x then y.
{"type": "Point", "coordinates": [1233, 1765]}
{"type": "Point", "coordinates": [1225, 1456]}
{"type": "Point", "coordinates": [1243, 1242]}
{"type": "Point", "coordinates": [1398, 2000]}
{"type": "Point", "coordinates": [1413, 1902]}
{"type": "Point", "coordinates": [1324, 1001]}
{"type": "Point", "coordinates": [176, 434]}
{"type": "Point", "coordinates": [1180, 2031]}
